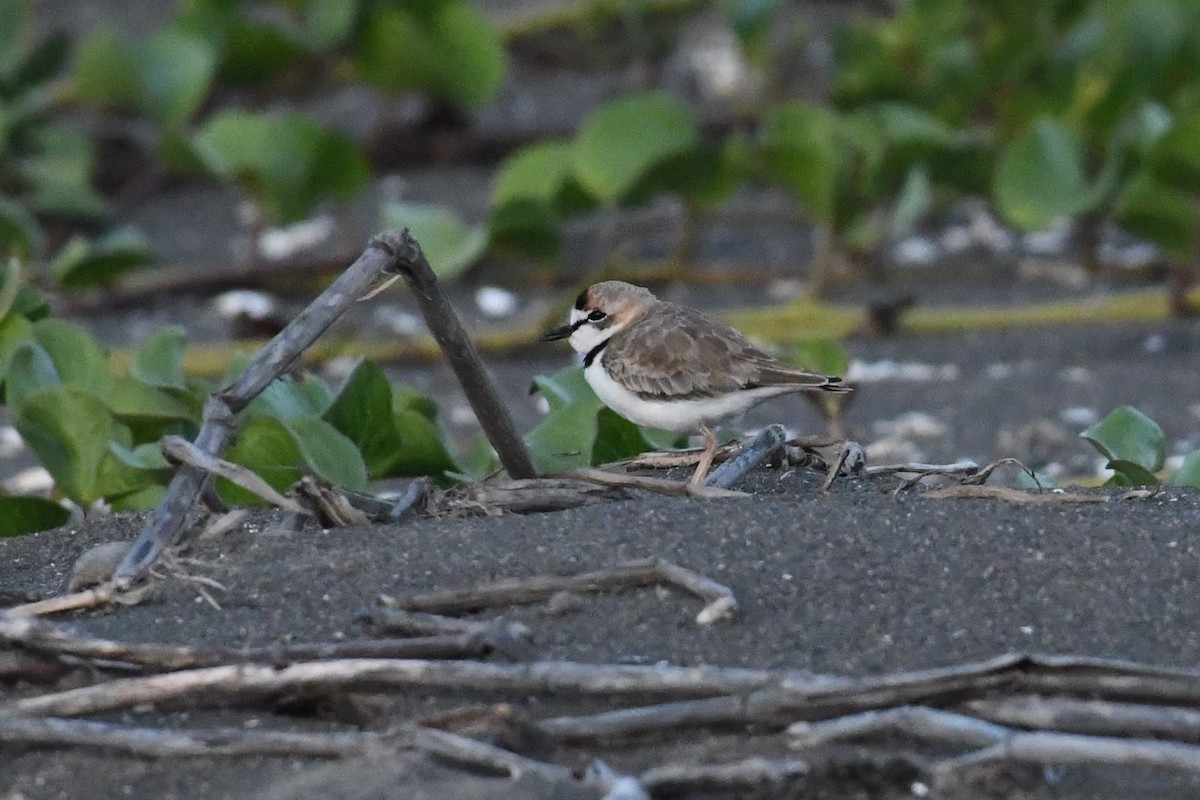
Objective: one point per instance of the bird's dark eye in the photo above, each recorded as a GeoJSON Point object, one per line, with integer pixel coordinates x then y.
{"type": "Point", "coordinates": [597, 315]}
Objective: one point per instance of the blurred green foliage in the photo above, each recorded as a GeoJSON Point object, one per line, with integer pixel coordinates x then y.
{"type": "Point", "coordinates": [1136, 449]}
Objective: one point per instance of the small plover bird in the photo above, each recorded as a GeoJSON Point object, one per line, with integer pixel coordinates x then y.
{"type": "Point", "coordinates": [667, 366]}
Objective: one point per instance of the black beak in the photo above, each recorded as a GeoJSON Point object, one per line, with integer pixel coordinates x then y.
{"type": "Point", "coordinates": [561, 332]}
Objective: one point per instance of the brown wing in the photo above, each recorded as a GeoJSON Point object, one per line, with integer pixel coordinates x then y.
{"type": "Point", "coordinates": [675, 351]}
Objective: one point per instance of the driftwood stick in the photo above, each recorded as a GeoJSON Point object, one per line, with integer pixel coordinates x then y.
{"type": "Point", "coordinates": [519, 591]}
{"type": "Point", "coordinates": [957, 468]}
{"type": "Point", "coordinates": [40, 636]}
{"type": "Point", "coordinates": [768, 442]}
{"type": "Point", "coordinates": [168, 522]}
{"type": "Point", "coordinates": [462, 356]}
{"type": "Point", "coordinates": [911, 721]}
{"type": "Point", "coordinates": [480, 755]}
{"type": "Point", "coordinates": [215, 685]}
{"type": "Point", "coordinates": [749, 774]}
{"type": "Point", "coordinates": [101, 595]}
{"type": "Point", "coordinates": [1090, 717]}
{"type": "Point", "coordinates": [656, 485]}
{"type": "Point", "coordinates": [160, 743]}
{"type": "Point", "coordinates": [971, 492]}
{"type": "Point", "coordinates": [526, 496]}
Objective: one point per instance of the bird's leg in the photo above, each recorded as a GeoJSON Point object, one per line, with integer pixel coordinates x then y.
{"type": "Point", "coordinates": [706, 458]}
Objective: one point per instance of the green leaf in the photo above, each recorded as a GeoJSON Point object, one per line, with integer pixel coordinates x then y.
{"type": "Point", "coordinates": [362, 411]}
{"type": "Point", "coordinates": [564, 439]}
{"type": "Point", "coordinates": [22, 515]}
{"type": "Point", "coordinates": [449, 244]}
{"type": "Point", "coordinates": [909, 126]}
{"type": "Point", "coordinates": [328, 453]}
{"type": "Point", "coordinates": [1128, 435]}
{"type": "Point", "coordinates": [78, 358]}
{"type": "Point", "coordinates": [69, 430]}
{"type": "Point", "coordinates": [82, 263]}
{"type": "Point", "coordinates": [15, 331]}
{"type": "Point", "coordinates": [422, 443]}
{"type": "Point", "coordinates": [29, 369]}
{"type": "Point", "coordinates": [529, 227]}
{"type": "Point", "coordinates": [913, 202]}
{"type": "Point", "coordinates": [1162, 213]}
{"type": "Point", "coordinates": [536, 172]}
{"type": "Point", "coordinates": [19, 230]}
{"type": "Point", "coordinates": [286, 397]}
{"type": "Point", "coordinates": [132, 398]}
{"type": "Point", "coordinates": [1128, 473]}
{"type": "Point", "coordinates": [106, 71]}
{"type": "Point", "coordinates": [619, 143]}
{"type": "Point", "coordinates": [59, 174]}
{"type": "Point", "coordinates": [800, 151]}
{"type": "Point", "coordinates": [159, 362]}
{"type": "Point", "coordinates": [286, 162]}
{"type": "Point", "coordinates": [1188, 473]}
{"type": "Point", "coordinates": [328, 22]}
{"type": "Point", "coordinates": [264, 445]}
{"type": "Point", "coordinates": [42, 62]}
{"type": "Point", "coordinates": [176, 72]}
{"type": "Point", "coordinates": [254, 52]}
{"type": "Point", "coordinates": [820, 354]}
{"type": "Point", "coordinates": [1040, 176]}
{"type": "Point", "coordinates": [452, 51]}
{"type": "Point", "coordinates": [15, 17]}
{"type": "Point", "coordinates": [1175, 156]}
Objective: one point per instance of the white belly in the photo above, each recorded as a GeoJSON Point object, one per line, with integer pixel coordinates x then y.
{"type": "Point", "coordinates": [676, 416]}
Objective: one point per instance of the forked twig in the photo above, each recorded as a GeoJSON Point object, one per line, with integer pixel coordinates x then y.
{"type": "Point", "coordinates": [181, 451]}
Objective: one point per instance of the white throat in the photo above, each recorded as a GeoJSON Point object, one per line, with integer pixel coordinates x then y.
{"type": "Point", "coordinates": [589, 335]}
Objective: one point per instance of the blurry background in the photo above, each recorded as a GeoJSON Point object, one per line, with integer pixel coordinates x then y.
{"type": "Point", "coordinates": [984, 212]}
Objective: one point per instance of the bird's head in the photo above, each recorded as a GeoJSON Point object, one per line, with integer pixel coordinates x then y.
{"type": "Point", "coordinates": [600, 311]}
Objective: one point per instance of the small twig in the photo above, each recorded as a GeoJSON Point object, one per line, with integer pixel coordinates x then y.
{"type": "Point", "coordinates": [174, 743]}
{"type": "Point", "coordinates": [534, 495]}
{"type": "Point", "coordinates": [462, 356]}
{"type": "Point", "coordinates": [910, 721]}
{"type": "Point", "coordinates": [167, 523]}
{"type": "Point", "coordinates": [957, 468]}
{"type": "Point", "coordinates": [181, 451]}
{"type": "Point", "coordinates": [656, 485]}
{"type": "Point", "coordinates": [510, 640]}
{"type": "Point", "coordinates": [669, 459]}
{"type": "Point", "coordinates": [88, 598]}
{"type": "Point", "coordinates": [985, 473]}
{"type": "Point", "coordinates": [967, 492]}
{"type": "Point", "coordinates": [480, 755]}
{"type": "Point", "coordinates": [850, 461]}
{"type": "Point", "coordinates": [752, 773]}
{"type": "Point", "coordinates": [519, 591]}
{"type": "Point", "coordinates": [769, 441]}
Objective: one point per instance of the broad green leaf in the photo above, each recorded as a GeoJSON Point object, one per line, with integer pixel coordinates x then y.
{"type": "Point", "coordinates": [620, 142]}
{"type": "Point", "coordinates": [285, 397]}
{"type": "Point", "coordinates": [452, 51]}
{"type": "Point", "coordinates": [565, 387]}
{"type": "Point", "coordinates": [15, 17]}
{"type": "Point", "coordinates": [42, 62]}
{"type": "Point", "coordinates": [15, 331]}
{"type": "Point", "coordinates": [253, 52]}
{"type": "Point", "coordinates": [159, 362]}
{"type": "Point", "coordinates": [800, 151]}
{"type": "Point", "coordinates": [1188, 473]}
{"type": "Point", "coordinates": [22, 515]}
{"type": "Point", "coordinates": [1040, 176]}
{"type": "Point", "coordinates": [536, 172]}
{"type": "Point", "coordinates": [529, 227]}
{"type": "Point", "coordinates": [1128, 473]}
{"type": "Point", "coordinates": [1175, 156]}
{"type": "Point", "coordinates": [59, 174]}
{"type": "Point", "coordinates": [1127, 434]}
{"type": "Point", "coordinates": [82, 263]}
{"type": "Point", "coordinates": [106, 70]}
{"type": "Point", "coordinates": [78, 358]}
{"type": "Point", "coordinates": [449, 244]}
{"type": "Point", "coordinates": [264, 445]}
{"type": "Point", "coordinates": [132, 398]}
{"type": "Point", "coordinates": [1161, 213]}
{"type": "Point", "coordinates": [144, 456]}
{"type": "Point", "coordinates": [29, 369]}
{"type": "Point", "coordinates": [176, 72]}
{"type": "Point", "coordinates": [69, 429]}
{"type": "Point", "coordinates": [476, 462]}
{"type": "Point", "coordinates": [328, 22]}
{"type": "Point", "coordinates": [143, 499]}
{"type": "Point", "coordinates": [19, 230]}
{"type": "Point", "coordinates": [909, 126]}
{"type": "Point", "coordinates": [422, 443]}
{"type": "Point", "coordinates": [564, 439]}
{"type": "Point", "coordinates": [913, 202]}
{"type": "Point", "coordinates": [362, 411]}
{"type": "Point", "coordinates": [328, 453]}
{"type": "Point", "coordinates": [286, 162]}
{"type": "Point", "coordinates": [616, 438]}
